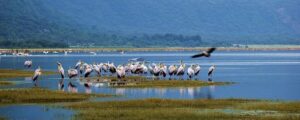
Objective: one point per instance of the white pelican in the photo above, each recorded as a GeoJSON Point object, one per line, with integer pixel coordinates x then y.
{"type": "Point", "coordinates": [87, 71]}
{"type": "Point", "coordinates": [61, 70]}
{"type": "Point", "coordinates": [37, 73]}
{"type": "Point", "coordinates": [97, 69]}
{"type": "Point", "coordinates": [28, 63]}
{"type": "Point", "coordinates": [72, 73]}
{"type": "Point", "coordinates": [112, 68]}
{"type": "Point", "coordinates": [121, 71]}
{"type": "Point", "coordinates": [156, 71]}
{"type": "Point", "coordinates": [45, 52]}
{"type": "Point", "coordinates": [197, 69]}
{"type": "Point", "coordinates": [145, 68]}
{"type": "Point", "coordinates": [210, 71]}
{"type": "Point", "coordinates": [204, 53]}
{"type": "Point", "coordinates": [78, 64]}
{"type": "Point", "coordinates": [163, 70]}
{"type": "Point", "coordinates": [191, 72]}
{"type": "Point", "coordinates": [150, 69]}
{"type": "Point", "coordinates": [172, 70]}
{"type": "Point", "coordinates": [180, 70]}
{"type": "Point", "coordinates": [104, 67]}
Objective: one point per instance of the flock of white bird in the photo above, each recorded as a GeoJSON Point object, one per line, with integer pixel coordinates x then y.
{"type": "Point", "coordinates": [158, 71]}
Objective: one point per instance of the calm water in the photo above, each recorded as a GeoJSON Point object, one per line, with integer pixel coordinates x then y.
{"type": "Point", "coordinates": [35, 112]}
{"type": "Point", "coordinates": [258, 74]}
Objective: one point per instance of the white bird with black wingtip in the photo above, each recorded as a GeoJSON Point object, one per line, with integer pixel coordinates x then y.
{"type": "Point", "coordinates": [210, 72]}
{"type": "Point", "coordinates": [28, 63]}
{"type": "Point", "coordinates": [61, 70]}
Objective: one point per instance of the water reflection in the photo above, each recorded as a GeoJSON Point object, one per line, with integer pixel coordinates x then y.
{"type": "Point", "coordinates": [72, 88]}
{"type": "Point", "coordinates": [61, 85]}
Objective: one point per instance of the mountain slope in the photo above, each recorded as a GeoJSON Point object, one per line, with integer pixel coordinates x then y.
{"type": "Point", "coordinates": [125, 22]}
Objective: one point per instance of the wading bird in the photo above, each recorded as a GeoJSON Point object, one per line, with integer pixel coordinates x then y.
{"type": "Point", "coordinates": [72, 73]}
{"type": "Point", "coordinates": [210, 72]}
{"type": "Point", "coordinates": [61, 70]}
{"type": "Point", "coordinates": [191, 72]}
{"type": "Point", "coordinates": [204, 53]}
{"type": "Point", "coordinates": [163, 70]}
{"type": "Point", "coordinates": [28, 63]}
{"type": "Point", "coordinates": [121, 71]}
{"type": "Point", "coordinates": [97, 69]}
{"type": "Point", "coordinates": [112, 68]}
{"type": "Point", "coordinates": [180, 70]}
{"type": "Point", "coordinates": [172, 71]}
{"type": "Point", "coordinates": [36, 75]}
{"type": "Point", "coordinates": [197, 69]}
{"type": "Point", "coordinates": [87, 71]}
{"type": "Point", "coordinates": [156, 71]}
{"type": "Point", "coordinates": [78, 64]}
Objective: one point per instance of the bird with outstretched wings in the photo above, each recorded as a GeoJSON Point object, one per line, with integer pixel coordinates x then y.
{"type": "Point", "coordinates": [204, 53]}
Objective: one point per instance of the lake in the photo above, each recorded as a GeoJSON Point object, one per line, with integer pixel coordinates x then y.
{"type": "Point", "coordinates": [257, 74]}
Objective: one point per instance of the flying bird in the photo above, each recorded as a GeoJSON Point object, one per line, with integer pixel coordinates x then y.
{"type": "Point", "coordinates": [204, 53]}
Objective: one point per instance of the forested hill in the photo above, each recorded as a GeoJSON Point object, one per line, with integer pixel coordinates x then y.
{"type": "Point", "coordinates": [151, 23]}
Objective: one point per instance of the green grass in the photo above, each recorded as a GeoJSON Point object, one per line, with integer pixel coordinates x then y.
{"type": "Point", "coordinates": [172, 83]}
{"type": "Point", "coordinates": [152, 109]}
{"type": "Point", "coordinates": [143, 82]}
{"type": "Point", "coordinates": [39, 95]}
{"type": "Point", "coordinates": [8, 73]}
{"type": "Point", "coordinates": [6, 83]}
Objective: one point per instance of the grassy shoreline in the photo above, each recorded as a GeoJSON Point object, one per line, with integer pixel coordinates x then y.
{"type": "Point", "coordinates": [10, 73]}
{"type": "Point", "coordinates": [166, 109]}
{"type": "Point", "coordinates": [116, 49]}
{"type": "Point", "coordinates": [39, 95]}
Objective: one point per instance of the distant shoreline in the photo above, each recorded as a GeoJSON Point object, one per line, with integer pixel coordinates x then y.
{"type": "Point", "coordinates": [99, 49]}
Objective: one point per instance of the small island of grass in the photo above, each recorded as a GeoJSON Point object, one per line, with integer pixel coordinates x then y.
{"type": "Point", "coordinates": [39, 95]}
{"type": "Point", "coordinates": [143, 82]}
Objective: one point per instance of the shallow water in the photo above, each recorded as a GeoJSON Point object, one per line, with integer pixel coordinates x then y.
{"type": "Point", "coordinates": [35, 112]}
{"type": "Point", "coordinates": [258, 74]}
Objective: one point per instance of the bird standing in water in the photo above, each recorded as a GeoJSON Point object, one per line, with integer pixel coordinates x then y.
{"type": "Point", "coordinates": [28, 63]}
{"type": "Point", "coordinates": [37, 73]}
{"type": "Point", "coordinates": [61, 70]}
{"type": "Point", "coordinates": [210, 72]}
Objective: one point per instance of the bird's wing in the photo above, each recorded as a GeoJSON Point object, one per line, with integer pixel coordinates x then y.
{"type": "Point", "coordinates": [210, 50]}
{"type": "Point", "coordinates": [198, 55]}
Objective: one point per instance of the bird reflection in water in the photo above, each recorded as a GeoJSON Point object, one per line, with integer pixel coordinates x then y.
{"type": "Point", "coordinates": [61, 85]}
{"type": "Point", "coordinates": [72, 88]}
{"type": "Point", "coordinates": [120, 91]}
{"type": "Point", "coordinates": [87, 87]}
{"type": "Point", "coordinates": [161, 91]}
